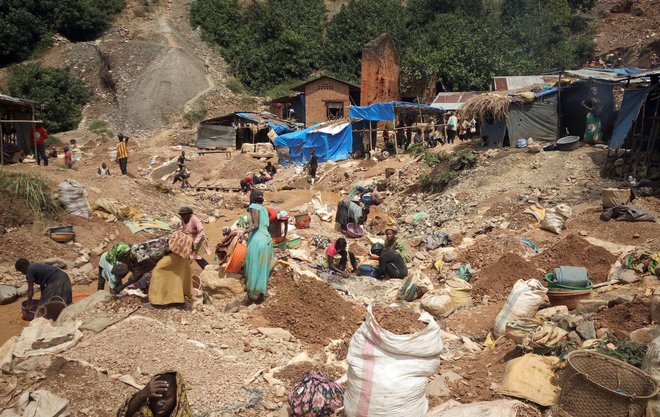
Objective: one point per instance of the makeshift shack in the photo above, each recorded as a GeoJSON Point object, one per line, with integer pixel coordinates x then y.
{"type": "Point", "coordinates": [634, 146]}
{"type": "Point", "coordinates": [17, 118]}
{"type": "Point", "coordinates": [331, 141]}
{"type": "Point", "coordinates": [235, 129]}
{"type": "Point", "coordinates": [404, 116]}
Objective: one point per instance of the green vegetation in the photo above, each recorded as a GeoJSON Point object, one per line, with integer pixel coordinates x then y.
{"type": "Point", "coordinates": [34, 190]}
{"type": "Point", "coordinates": [62, 95]}
{"type": "Point", "coordinates": [99, 127]}
{"type": "Point", "coordinates": [26, 25]}
{"type": "Point", "coordinates": [194, 116]}
{"type": "Point", "coordinates": [624, 350]}
{"type": "Point", "coordinates": [459, 44]}
{"type": "Point", "coordinates": [445, 168]}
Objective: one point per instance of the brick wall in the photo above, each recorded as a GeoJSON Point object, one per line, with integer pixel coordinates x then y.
{"type": "Point", "coordinates": [381, 71]}
{"type": "Point", "coordinates": [318, 93]}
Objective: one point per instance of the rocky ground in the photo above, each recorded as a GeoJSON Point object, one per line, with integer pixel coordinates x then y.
{"type": "Point", "coordinates": [242, 360]}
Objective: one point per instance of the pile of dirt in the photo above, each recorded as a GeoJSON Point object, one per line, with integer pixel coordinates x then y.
{"type": "Point", "coordinates": [22, 243]}
{"type": "Point", "coordinates": [341, 349]}
{"type": "Point", "coordinates": [293, 374]}
{"type": "Point", "coordinates": [398, 320]}
{"type": "Point", "coordinates": [367, 163]}
{"type": "Point", "coordinates": [487, 250]}
{"type": "Point", "coordinates": [239, 166]}
{"type": "Point", "coordinates": [310, 309]}
{"type": "Point", "coordinates": [625, 317]}
{"type": "Point", "coordinates": [511, 213]}
{"type": "Point", "coordinates": [497, 279]}
{"type": "Point", "coordinates": [13, 212]}
{"type": "Point", "coordinates": [575, 251]}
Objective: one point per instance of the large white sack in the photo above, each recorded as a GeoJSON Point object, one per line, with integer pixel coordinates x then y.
{"type": "Point", "coordinates": [73, 198]}
{"type": "Point", "coordinates": [497, 408]}
{"type": "Point", "coordinates": [388, 373]}
{"type": "Point", "coordinates": [524, 301]}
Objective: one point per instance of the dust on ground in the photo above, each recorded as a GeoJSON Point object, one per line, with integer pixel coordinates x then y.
{"type": "Point", "coordinates": [399, 321]}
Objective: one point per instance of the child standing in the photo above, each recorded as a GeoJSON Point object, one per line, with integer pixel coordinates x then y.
{"type": "Point", "coordinates": [68, 157]}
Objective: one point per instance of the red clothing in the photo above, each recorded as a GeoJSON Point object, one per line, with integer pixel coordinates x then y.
{"type": "Point", "coordinates": [272, 214]}
{"type": "Point", "coordinates": [41, 137]}
{"type": "Point", "coordinates": [247, 179]}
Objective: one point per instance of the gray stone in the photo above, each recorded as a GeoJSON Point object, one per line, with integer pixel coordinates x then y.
{"type": "Point", "coordinates": [421, 256]}
{"type": "Point", "coordinates": [573, 337]}
{"type": "Point", "coordinates": [269, 405]}
{"type": "Point", "coordinates": [56, 262]}
{"type": "Point", "coordinates": [591, 305]}
{"type": "Point", "coordinates": [617, 299]}
{"type": "Point", "coordinates": [7, 294]}
{"type": "Point", "coordinates": [602, 332]}
{"type": "Point", "coordinates": [629, 277]}
{"type": "Point", "coordinates": [80, 261]}
{"type": "Point", "coordinates": [216, 213]}
{"type": "Point", "coordinates": [275, 333]}
{"type": "Point", "coordinates": [567, 322]}
{"type": "Point", "coordinates": [586, 330]}
{"type": "Point", "coordinates": [548, 313]}
{"type": "Point", "coordinates": [86, 269]}
{"type": "Point", "coordinates": [438, 387]}
{"type": "Point", "coordinates": [449, 254]}
{"type": "Point", "coordinates": [643, 336]}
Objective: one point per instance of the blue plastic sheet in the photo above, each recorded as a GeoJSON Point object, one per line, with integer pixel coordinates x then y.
{"type": "Point", "coordinates": [279, 128]}
{"type": "Point", "coordinates": [619, 71]}
{"type": "Point", "coordinates": [327, 146]}
{"type": "Point", "coordinates": [630, 106]}
{"type": "Point", "coordinates": [374, 112]}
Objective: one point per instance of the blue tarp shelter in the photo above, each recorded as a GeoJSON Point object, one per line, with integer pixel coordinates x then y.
{"type": "Point", "coordinates": [388, 111]}
{"type": "Point", "coordinates": [633, 99]}
{"type": "Point", "coordinates": [331, 141]}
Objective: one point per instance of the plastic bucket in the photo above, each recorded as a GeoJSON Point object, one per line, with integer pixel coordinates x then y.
{"type": "Point", "coordinates": [521, 143]}
{"type": "Point", "coordinates": [27, 312]}
{"type": "Point", "coordinates": [112, 154]}
{"type": "Point", "coordinates": [366, 270]}
{"type": "Point", "coordinates": [237, 258]}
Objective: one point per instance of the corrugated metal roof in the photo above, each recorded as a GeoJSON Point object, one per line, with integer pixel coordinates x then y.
{"type": "Point", "coordinates": [18, 101]}
{"type": "Point", "coordinates": [515, 82]}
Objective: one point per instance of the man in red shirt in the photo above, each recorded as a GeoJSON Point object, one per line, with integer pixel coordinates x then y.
{"type": "Point", "coordinates": [247, 184]}
{"type": "Point", "coordinates": [39, 135]}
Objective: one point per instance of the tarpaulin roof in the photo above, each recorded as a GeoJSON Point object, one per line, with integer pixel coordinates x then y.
{"type": "Point", "coordinates": [389, 110]}
{"type": "Point", "coordinates": [331, 141]}
{"type": "Point", "coordinates": [264, 118]}
{"type": "Point", "coordinates": [609, 74]}
{"type": "Point", "coordinates": [632, 102]}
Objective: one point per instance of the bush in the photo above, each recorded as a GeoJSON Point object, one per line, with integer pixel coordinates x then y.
{"type": "Point", "coordinates": [194, 116]}
{"type": "Point", "coordinates": [34, 190]}
{"type": "Point", "coordinates": [99, 127]}
{"type": "Point", "coordinates": [61, 94]}
{"type": "Point", "coordinates": [446, 168]}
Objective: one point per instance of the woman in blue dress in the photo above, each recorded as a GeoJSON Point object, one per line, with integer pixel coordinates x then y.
{"type": "Point", "coordinates": [259, 250]}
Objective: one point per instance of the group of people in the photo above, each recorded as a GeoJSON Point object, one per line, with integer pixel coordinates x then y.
{"type": "Point", "coordinates": [249, 182]}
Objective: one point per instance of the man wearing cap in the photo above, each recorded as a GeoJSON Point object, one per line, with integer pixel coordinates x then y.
{"type": "Point", "coordinates": [122, 153]}
{"type": "Point", "coordinates": [395, 244]}
{"type": "Point", "coordinates": [193, 226]}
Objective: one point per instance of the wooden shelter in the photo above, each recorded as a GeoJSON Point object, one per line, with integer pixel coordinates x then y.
{"type": "Point", "coordinates": [17, 118]}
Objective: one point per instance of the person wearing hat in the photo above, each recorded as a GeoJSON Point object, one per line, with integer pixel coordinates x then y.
{"type": "Point", "coordinates": [394, 243]}
{"type": "Point", "coordinates": [390, 263]}
{"type": "Point", "coordinates": [193, 226]}
{"type": "Point", "coordinates": [122, 153]}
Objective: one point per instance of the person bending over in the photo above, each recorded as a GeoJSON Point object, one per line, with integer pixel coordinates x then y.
{"type": "Point", "coordinates": [53, 282]}
{"type": "Point", "coordinates": [390, 263]}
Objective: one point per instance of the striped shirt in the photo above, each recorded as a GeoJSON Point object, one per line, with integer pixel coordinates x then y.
{"type": "Point", "coordinates": [122, 150]}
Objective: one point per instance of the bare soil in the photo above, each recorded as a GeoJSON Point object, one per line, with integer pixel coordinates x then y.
{"type": "Point", "coordinates": [398, 320]}
{"type": "Point", "coordinates": [575, 251]}
{"type": "Point", "coordinates": [625, 317]}
{"type": "Point", "coordinates": [13, 212]}
{"type": "Point", "coordinates": [497, 279]}
{"type": "Point", "coordinates": [310, 309]}
{"type": "Point", "coordinates": [293, 374]}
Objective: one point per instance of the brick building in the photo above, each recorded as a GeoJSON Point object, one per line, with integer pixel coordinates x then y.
{"type": "Point", "coordinates": [327, 98]}
{"type": "Point", "coordinates": [381, 71]}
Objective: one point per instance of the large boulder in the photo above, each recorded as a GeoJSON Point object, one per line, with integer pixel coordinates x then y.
{"type": "Point", "coordinates": [219, 283]}
{"type": "Point", "coordinates": [7, 294]}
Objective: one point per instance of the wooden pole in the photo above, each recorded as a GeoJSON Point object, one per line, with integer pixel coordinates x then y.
{"type": "Point", "coordinates": [32, 130]}
{"type": "Point", "coordinates": [396, 145]}
{"type": "Point", "coordinates": [2, 146]}
{"type": "Point", "coordinates": [559, 119]}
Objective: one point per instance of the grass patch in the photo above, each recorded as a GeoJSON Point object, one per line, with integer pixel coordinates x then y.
{"type": "Point", "coordinates": [445, 168]}
{"type": "Point", "coordinates": [248, 103]}
{"type": "Point", "coordinates": [194, 116]}
{"type": "Point", "coordinates": [34, 190]}
{"type": "Point", "coordinates": [236, 87]}
{"type": "Point", "coordinates": [99, 127]}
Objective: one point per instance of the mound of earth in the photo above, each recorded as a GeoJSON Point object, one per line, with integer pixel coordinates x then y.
{"type": "Point", "coordinates": [22, 243]}
{"type": "Point", "coordinates": [239, 166]}
{"type": "Point", "coordinates": [13, 212]}
{"type": "Point", "coordinates": [497, 279]}
{"type": "Point", "coordinates": [398, 320]}
{"type": "Point", "coordinates": [625, 317]}
{"type": "Point", "coordinates": [310, 309]}
{"type": "Point", "coordinates": [575, 251]}
{"type": "Point", "coordinates": [294, 373]}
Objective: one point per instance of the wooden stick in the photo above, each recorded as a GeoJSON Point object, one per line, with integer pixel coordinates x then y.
{"type": "Point", "coordinates": [605, 284]}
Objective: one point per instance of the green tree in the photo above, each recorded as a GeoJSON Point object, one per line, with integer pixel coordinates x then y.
{"type": "Point", "coordinates": [424, 11]}
{"type": "Point", "coordinates": [61, 94]}
{"type": "Point", "coordinates": [357, 23]}
{"type": "Point", "coordinates": [220, 19]}
{"type": "Point", "coordinates": [84, 20]}
{"type": "Point", "coordinates": [22, 27]}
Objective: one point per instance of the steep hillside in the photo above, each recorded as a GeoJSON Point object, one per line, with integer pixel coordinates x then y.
{"type": "Point", "coordinates": [631, 28]}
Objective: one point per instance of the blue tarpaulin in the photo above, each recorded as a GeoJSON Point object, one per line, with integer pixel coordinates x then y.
{"type": "Point", "coordinates": [374, 112]}
{"type": "Point", "coordinates": [630, 106]}
{"type": "Point", "coordinates": [330, 142]}
{"type": "Point", "coordinates": [279, 128]}
{"type": "Point", "coordinates": [387, 111]}
{"type": "Point", "coordinates": [619, 71]}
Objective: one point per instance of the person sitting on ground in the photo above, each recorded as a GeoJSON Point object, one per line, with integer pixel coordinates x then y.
{"type": "Point", "coordinates": [113, 274]}
{"type": "Point", "coordinates": [140, 258]}
{"type": "Point", "coordinates": [103, 169]}
{"type": "Point", "coordinates": [337, 257]}
{"type": "Point", "coordinates": [390, 263]}
{"type": "Point", "coordinates": [270, 169]}
{"type": "Point", "coordinates": [52, 281]}
{"type": "Point", "coordinates": [182, 174]}
{"type": "Point", "coordinates": [264, 177]}
{"type": "Point", "coordinates": [278, 222]}
{"type": "Point", "coordinates": [418, 137]}
{"type": "Point", "coordinates": [164, 396]}
{"type": "Point", "coordinates": [193, 226]}
{"type": "Point", "coordinates": [52, 153]}
{"type": "Point", "coordinates": [395, 244]}
{"type": "Point", "coordinates": [247, 183]}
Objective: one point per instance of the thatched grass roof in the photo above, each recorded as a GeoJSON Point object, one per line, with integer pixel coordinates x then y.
{"type": "Point", "coordinates": [488, 105]}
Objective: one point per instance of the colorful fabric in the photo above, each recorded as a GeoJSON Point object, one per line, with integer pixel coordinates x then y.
{"type": "Point", "coordinates": [402, 249]}
{"type": "Point", "coordinates": [171, 281]}
{"type": "Point", "coordinates": [195, 228]}
{"type": "Point", "coordinates": [259, 255]}
{"type": "Point", "coordinates": [644, 261]}
{"type": "Point", "coordinates": [122, 150]}
{"type": "Point", "coordinates": [106, 271]}
{"type": "Point", "coordinates": [182, 408]}
{"type": "Point", "coordinates": [315, 396]}
{"type": "Point", "coordinates": [321, 242]}
{"type": "Point", "coordinates": [153, 249]}
{"type": "Point", "coordinates": [117, 251]}
{"type": "Point", "coordinates": [593, 131]}
{"type": "Point", "coordinates": [181, 243]}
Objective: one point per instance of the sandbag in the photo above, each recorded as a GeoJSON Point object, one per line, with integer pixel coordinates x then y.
{"type": "Point", "coordinates": [460, 292]}
{"type": "Point", "coordinates": [388, 373]}
{"type": "Point", "coordinates": [438, 303]}
{"type": "Point", "coordinates": [530, 377]}
{"type": "Point", "coordinates": [523, 303]}
{"type": "Point", "coordinates": [612, 197]}
{"type": "Point", "coordinates": [73, 198]}
{"type": "Point", "coordinates": [39, 403]}
{"type": "Point", "coordinates": [41, 337]}
{"type": "Point", "coordinates": [555, 218]}
{"type": "Point", "coordinates": [497, 408]}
